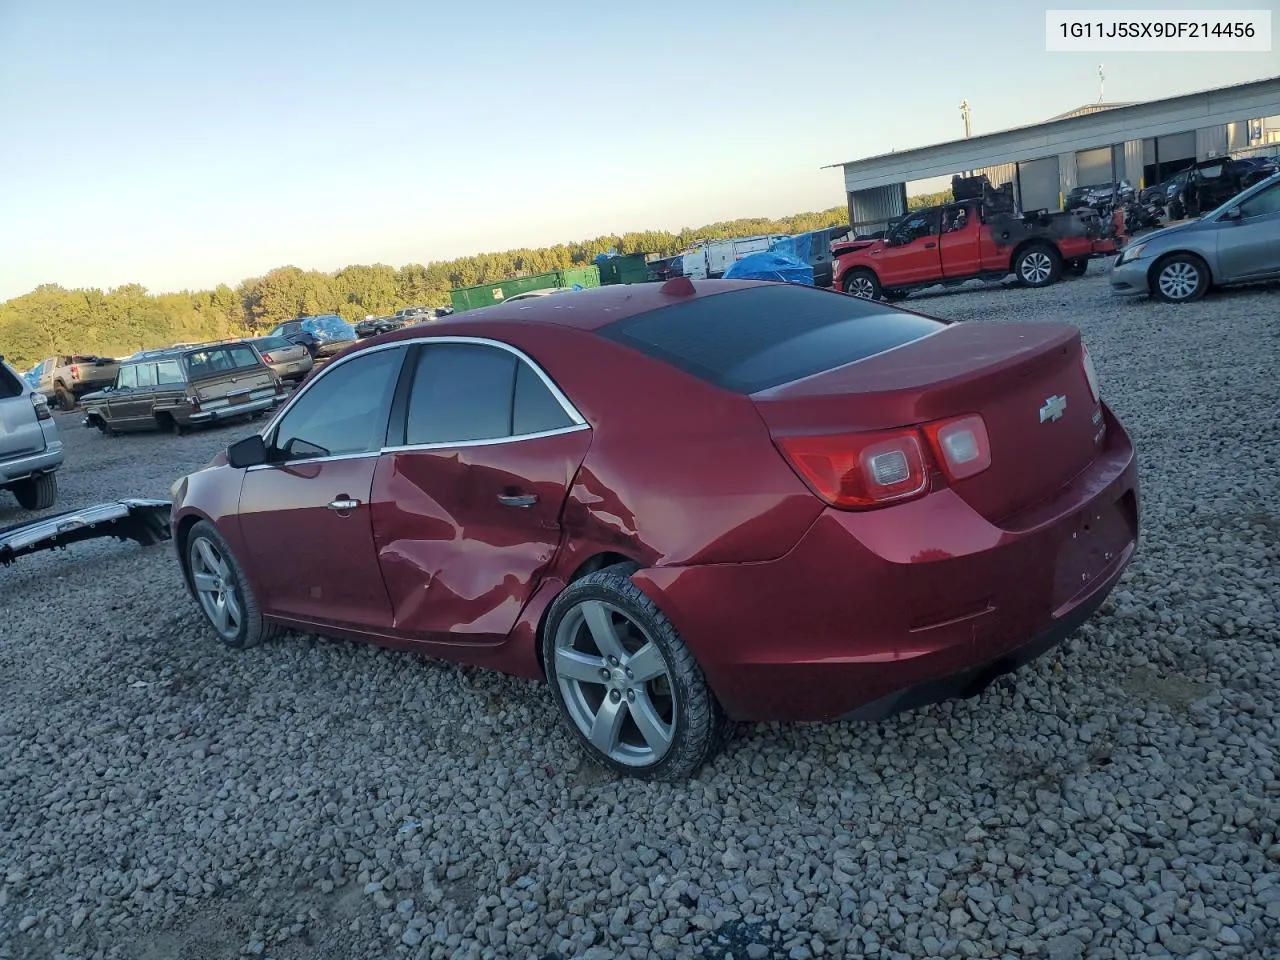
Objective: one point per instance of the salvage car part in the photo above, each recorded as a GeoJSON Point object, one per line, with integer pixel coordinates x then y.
{"type": "Point", "coordinates": [143, 521]}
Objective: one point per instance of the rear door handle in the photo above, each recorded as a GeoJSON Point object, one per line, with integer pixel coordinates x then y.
{"type": "Point", "coordinates": [517, 499]}
{"type": "Point", "coordinates": [343, 504]}
{"type": "Point", "coordinates": [930, 246]}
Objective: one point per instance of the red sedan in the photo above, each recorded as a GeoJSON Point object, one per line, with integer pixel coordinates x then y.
{"type": "Point", "coordinates": [682, 505]}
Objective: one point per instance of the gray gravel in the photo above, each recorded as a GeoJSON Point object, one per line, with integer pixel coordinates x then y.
{"type": "Point", "coordinates": [161, 798]}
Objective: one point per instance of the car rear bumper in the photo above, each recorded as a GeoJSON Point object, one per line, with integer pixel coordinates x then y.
{"type": "Point", "coordinates": [1130, 279]}
{"type": "Point", "coordinates": [875, 612]}
{"type": "Point", "coordinates": [238, 410]}
{"type": "Point", "coordinates": [294, 369]}
{"type": "Point", "coordinates": [29, 464]}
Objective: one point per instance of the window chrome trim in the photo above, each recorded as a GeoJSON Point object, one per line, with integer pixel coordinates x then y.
{"type": "Point", "coordinates": [493, 441]}
{"type": "Point", "coordinates": [368, 455]}
{"type": "Point", "coordinates": [565, 404]}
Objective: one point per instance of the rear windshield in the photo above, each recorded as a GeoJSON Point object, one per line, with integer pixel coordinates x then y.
{"type": "Point", "coordinates": [212, 361]}
{"type": "Point", "coordinates": [330, 325]}
{"type": "Point", "coordinates": [759, 337]}
{"type": "Point", "coordinates": [272, 343]}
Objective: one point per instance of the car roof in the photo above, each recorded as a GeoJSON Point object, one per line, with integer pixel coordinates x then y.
{"type": "Point", "coordinates": [588, 309]}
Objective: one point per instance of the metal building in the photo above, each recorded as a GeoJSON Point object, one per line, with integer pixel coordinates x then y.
{"type": "Point", "coordinates": [1140, 142]}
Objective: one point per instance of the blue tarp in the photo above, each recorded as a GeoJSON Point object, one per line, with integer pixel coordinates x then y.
{"type": "Point", "coordinates": [769, 265]}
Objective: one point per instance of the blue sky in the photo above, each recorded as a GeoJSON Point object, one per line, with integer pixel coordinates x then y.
{"type": "Point", "coordinates": [183, 144]}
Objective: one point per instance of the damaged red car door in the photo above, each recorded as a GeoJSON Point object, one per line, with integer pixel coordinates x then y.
{"type": "Point", "coordinates": [468, 494]}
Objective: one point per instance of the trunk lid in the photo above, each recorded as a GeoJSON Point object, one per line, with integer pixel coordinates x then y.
{"type": "Point", "coordinates": [1027, 381]}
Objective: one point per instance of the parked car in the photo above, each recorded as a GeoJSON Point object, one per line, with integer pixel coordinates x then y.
{"type": "Point", "coordinates": [64, 379]}
{"type": "Point", "coordinates": [1237, 243]}
{"type": "Point", "coordinates": [1162, 192]}
{"type": "Point", "coordinates": [372, 326]}
{"type": "Point", "coordinates": [1100, 195]}
{"type": "Point", "coordinates": [825, 507]}
{"type": "Point", "coordinates": [1211, 183]}
{"type": "Point", "coordinates": [323, 335]}
{"type": "Point", "coordinates": [287, 360]}
{"type": "Point", "coordinates": [183, 388]}
{"type": "Point", "coordinates": [30, 445]}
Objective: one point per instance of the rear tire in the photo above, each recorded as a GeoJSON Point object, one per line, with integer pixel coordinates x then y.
{"type": "Point", "coordinates": [36, 493]}
{"type": "Point", "coordinates": [167, 423]}
{"type": "Point", "coordinates": [1038, 265]}
{"type": "Point", "coordinates": [1180, 278]}
{"type": "Point", "coordinates": [861, 282]}
{"type": "Point", "coordinates": [661, 722]}
{"type": "Point", "coordinates": [66, 400]}
{"type": "Point", "coordinates": [1075, 268]}
{"type": "Point", "coordinates": [222, 591]}
{"type": "Point", "coordinates": [893, 296]}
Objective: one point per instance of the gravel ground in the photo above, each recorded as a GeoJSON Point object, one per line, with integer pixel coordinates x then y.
{"type": "Point", "coordinates": [162, 798]}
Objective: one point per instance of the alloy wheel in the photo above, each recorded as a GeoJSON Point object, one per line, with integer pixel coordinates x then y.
{"type": "Point", "coordinates": [616, 684]}
{"type": "Point", "coordinates": [216, 588]}
{"type": "Point", "coordinates": [1036, 267]}
{"type": "Point", "coordinates": [1179, 280]}
{"type": "Point", "coordinates": [861, 286]}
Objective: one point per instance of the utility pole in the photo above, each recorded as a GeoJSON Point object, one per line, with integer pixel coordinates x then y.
{"type": "Point", "coordinates": [964, 112]}
{"type": "Point", "coordinates": [1101, 80]}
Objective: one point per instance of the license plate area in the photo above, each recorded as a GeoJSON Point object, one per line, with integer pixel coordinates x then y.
{"type": "Point", "coordinates": [1098, 536]}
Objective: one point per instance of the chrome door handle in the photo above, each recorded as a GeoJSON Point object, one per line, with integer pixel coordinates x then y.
{"type": "Point", "coordinates": [343, 505]}
{"type": "Point", "coordinates": [518, 500]}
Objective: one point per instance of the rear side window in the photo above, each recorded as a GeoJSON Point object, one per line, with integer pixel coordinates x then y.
{"type": "Point", "coordinates": [216, 360]}
{"type": "Point", "coordinates": [536, 409]}
{"type": "Point", "coordinates": [461, 392]}
{"type": "Point", "coordinates": [10, 386]}
{"type": "Point", "coordinates": [168, 371]}
{"type": "Point", "coordinates": [759, 337]}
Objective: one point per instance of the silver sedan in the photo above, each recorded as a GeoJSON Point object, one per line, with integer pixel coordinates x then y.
{"type": "Point", "coordinates": [1237, 243]}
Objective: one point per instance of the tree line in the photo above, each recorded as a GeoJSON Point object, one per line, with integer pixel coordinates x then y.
{"type": "Point", "coordinates": [52, 320]}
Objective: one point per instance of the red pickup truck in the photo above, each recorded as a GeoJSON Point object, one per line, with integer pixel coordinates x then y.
{"type": "Point", "coordinates": [963, 241]}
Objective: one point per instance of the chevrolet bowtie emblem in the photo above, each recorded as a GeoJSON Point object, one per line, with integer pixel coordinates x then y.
{"type": "Point", "coordinates": [1053, 409]}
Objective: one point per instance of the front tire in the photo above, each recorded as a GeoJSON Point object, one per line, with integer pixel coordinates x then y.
{"type": "Point", "coordinates": [1038, 265]}
{"type": "Point", "coordinates": [863, 283]}
{"type": "Point", "coordinates": [222, 590]}
{"type": "Point", "coordinates": [36, 493]}
{"type": "Point", "coordinates": [1181, 278]}
{"type": "Point", "coordinates": [626, 684]}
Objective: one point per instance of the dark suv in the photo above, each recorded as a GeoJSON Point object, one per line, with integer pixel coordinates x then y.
{"type": "Point", "coordinates": [176, 389]}
{"type": "Point", "coordinates": [1211, 183]}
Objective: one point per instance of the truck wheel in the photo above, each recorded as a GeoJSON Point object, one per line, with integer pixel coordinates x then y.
{"type": "Point", "coordinates": [1181, 278]}
{"type": "Point", "coordinates": [1076, 268]}
{"type": "Point", "coordinates": [1038, 265]}
{"type": "Point", "coordinates": [862, 283]}
{"type": "Point", "coordinates": [893, 296]}
{"type": "Point", "coordinates": [36, 493]}
{"type": "Point", "coordinates": [66, 399]}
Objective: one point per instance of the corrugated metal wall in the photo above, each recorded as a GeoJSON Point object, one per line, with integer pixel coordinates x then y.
{"type": "Point", "coordinates": [1092, 166]}
{"type": "Point", "coordinates": [872, 209]}
{"type": "Point", "coordinates": [1211, 141]}
{"type": "Point", "coordinates": [1177, 146]}
{"type": "Point", "coordinates": [1134, 155]}
{"type": "Point", "coordinates": [1068, 175]}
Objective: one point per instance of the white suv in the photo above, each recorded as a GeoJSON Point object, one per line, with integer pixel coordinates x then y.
{"type": "Point", "coordinates": [30, 446]}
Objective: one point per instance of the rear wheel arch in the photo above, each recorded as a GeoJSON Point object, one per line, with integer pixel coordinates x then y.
{"type": "Point", "coordinates": [594, 563]}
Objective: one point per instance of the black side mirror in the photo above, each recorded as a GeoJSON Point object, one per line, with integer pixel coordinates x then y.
{"type": "Point", "coordinates": [249, 452]}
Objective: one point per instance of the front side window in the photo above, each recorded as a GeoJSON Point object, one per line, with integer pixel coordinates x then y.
{"type": "Point", "coordinates": [1261, 204]}
{"type": "Point", "coordinates": [915, 226]}
{"type": "Point", "coordinates": [127, 377]}
{"type": "Point", "coordinates": [344, 412]}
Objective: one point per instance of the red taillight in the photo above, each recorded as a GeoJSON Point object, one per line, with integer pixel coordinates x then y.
{"type": "Point", "coordinates": [42, 407]}
{"type": "Point", "coordinates": [961, 446]}
{"type": "Point", "coordinates": [1090, 374]}
{"type": "Point", "coordinates": [266, 357]}
{"type": "Point", "coordinates": [75, 372]}
{"type": "Point", "coordinates": [858, 471]}
{"type": "Point", "coordinates": [861, 471]}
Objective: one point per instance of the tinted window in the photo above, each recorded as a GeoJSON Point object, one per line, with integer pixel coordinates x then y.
{"type": "Point", "coordinates": [266, 344]}
{"type": "Point", "coordinates": [146, 374]}
{"type": "Point", "coordinates": [168, 371]}
{"type": "Point", "coordinates": [10, 386]}
{"type": "Point", "coordinates": [218, 360]}
{"type": "Point", "coordinates": [536, 408]}
{"type": "Point", "coordinates": [754, 339]}
{"type": "Point", "coordinates": [461, 392]}
{"type": "Point", "coordinates": [1268, 201]}
{"type": "Point", "coordinates": [127, 377]}
{"type": "Point", "coordinates": [344, 411]}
